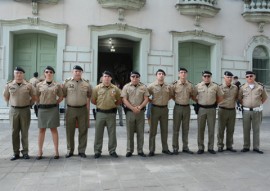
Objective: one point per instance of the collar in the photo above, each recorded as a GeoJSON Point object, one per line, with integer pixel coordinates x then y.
{"type": "Point", "coordinates": [23, 82]}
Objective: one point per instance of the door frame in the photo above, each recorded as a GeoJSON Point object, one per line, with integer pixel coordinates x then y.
{"type": "Point", "coordinates": [212, 40]}
{"type": "Point", "coordinates": [125, 31]}
{"type": "Point", "coordinates": [20, 26]}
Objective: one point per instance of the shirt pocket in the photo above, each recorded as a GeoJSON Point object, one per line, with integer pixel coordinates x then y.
{"type": "Point", "coordinates": [201, 90]}
{"type": "Point", "coordinates": [12, 90]}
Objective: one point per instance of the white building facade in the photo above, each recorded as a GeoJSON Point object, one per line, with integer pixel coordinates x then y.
{"type": "Point", "coordinates": [142, 35]}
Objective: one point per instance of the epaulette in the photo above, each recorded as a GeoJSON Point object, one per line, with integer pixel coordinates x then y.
{"type": "Point", "coordinates": [68, 79]}
{"type": "Point", "coordinates": [242, 84]}
{"type": "Point", "coordinates": [220, 84]}
{"type": "Point", "coordinates": [190, 82]}
{"type": "Point", "coordinates": [9, 81]}
{"type": "Point", "coordinates": [174, 82]}
{"type": "Point", "coordinates": [261, 84]}
{"type": "Point", "coordinates": [215, 83]}
{"type": "Point", "coordinates": [85, 80]}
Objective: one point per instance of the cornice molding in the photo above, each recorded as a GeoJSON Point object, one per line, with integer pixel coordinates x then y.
{"type": "Point", "coordinates": [197, 33]}
{"type": "Point", "coordinates": [119, 27]}
{"type": "Point", "coordinates": [33, 21]}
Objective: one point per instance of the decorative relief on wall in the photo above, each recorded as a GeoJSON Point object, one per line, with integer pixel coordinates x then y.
{"type": "Point", "coordinates": [34, 4]}
{"type": "Point", "coordinates": [122, 5]}
{"type": "Point", "coordinates": [33, 20]}
{"type": "Point", "coordinates": [198, 9]}
{"type": "Point", "coordinates": [257, 11]}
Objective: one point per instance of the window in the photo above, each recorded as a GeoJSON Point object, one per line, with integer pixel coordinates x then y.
{"type": "Point", "coordinates": [260, 59]}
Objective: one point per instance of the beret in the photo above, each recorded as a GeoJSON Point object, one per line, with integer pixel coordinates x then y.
{"type": "Point", "coordinates": [227, 73]}
{"type": "Point", "coordinates": [107, 73]}
{"type": "Point", "coordinates": [183, 69]}
{"type": "Point", "coordinates": [77, 67]}
{"type": "Point", "coordinates": [249, 72]}
{"type": "Point", "coordinates": [206, 72]}
{"type": "Point", "coordinates": [160, 70]}
{"type": "Point", "coordinates": [49, 68]}
{"type": "Point", "coordinates": [20, 69]}
{"type": "Point", "coordinates": [35, 74]}
{"type": "Point", "coordinates": [135, 72]}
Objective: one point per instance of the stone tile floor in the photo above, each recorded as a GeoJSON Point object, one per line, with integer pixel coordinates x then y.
{"type": "Point", "coordinates": [223, 171]}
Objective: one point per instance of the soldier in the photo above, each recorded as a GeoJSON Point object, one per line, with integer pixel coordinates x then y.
{"type": "Point", "coordinates": [20, 94]}
{"type": "Point", "coordinates": [227, 113]}
{"type": "Point", "coordinates": [106, 97]}
{"type": "Point", "coordinates": [77, 92]}
{"type": "Point", "coordinates": [207, 94]}
{"type": "Point", "coordinates": [49, 95]}
{"type": "Point", "coordinates": [135, 97]}
{"type": "Point", "coordinates": [182, 92]}
{"type": "Point", "coordinates": [34, 81]}
{"type": "Point", "coordinates": [252, 95]}
{"type": "Point", "coordinates": [161, 94]}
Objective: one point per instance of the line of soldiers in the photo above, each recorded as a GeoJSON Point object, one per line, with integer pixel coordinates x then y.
{"type": "Point", "coordinates": [135, 95]}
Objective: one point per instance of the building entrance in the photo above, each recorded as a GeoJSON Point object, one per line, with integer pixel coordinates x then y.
{"type": "Point", "coordinates": [33, 52]}
{"type": "Point", "coordinates": [118, 56]}
{"type": "Point", "coordinates": [195, 57]}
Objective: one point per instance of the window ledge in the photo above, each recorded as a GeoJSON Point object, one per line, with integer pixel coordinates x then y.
{"type": "Point", "coordinates": [124, 4]}
{"type": "Point", "coordinates": [197, 7]}
{"type": "Point", "coordinates": [40, 1]}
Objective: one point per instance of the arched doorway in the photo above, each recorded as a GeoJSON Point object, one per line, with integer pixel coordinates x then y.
{"type": "Point", "coordinates": [117, 55]}
{"type": "Point", "coordinates": [33, 52]}
{"type": "Point", "coordinates": [260, 65]}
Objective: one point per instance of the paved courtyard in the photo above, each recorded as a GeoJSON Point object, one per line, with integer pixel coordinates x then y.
{"type": "Point", "coordinates": [223, 171]}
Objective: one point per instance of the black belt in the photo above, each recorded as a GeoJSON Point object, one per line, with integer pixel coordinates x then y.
{"type": "Point", "coordinates": [208, 106]}
{"type": "Point", "coordinates": [81, 106]}
{"type": "Point", "coordinates": [182, 105]}
{"type": "Point", "coordinates": [114, 110]}
{"type": "Point", "coordinates": [20, 107]}
{"type": "Point", "coordinates": [46, 106]}
{"type": "Point", "coordinates": [161, 106]}
{"type": "Point", "coordinates": [226, 108]}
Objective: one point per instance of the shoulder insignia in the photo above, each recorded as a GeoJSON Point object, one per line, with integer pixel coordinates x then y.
{"type": "Point", "coordinates": [261, 84]}
{"type": "Point", "coordinates": [190, 82]}
{"type": "Point", "coordinates": [215, 83]}
{"type": "Point", "coordinates": [68, 79]}
{"type": "Point", "coordinates": [174, 82]}
{"type": "Point", "coordinates": [85, 80]}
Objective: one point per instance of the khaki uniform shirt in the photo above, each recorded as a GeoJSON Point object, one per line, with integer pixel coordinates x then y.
{"type": "Point", "coordinates": [135, 94]}
{"type": "Point", "coordinates": [76, 93]}
{"type": "Point", "coordinates": [182, 92]}
{"type": "Point", "coordinates": [34, 81]}
{"type": "Point", "coordinates": [19, 95]}
{"type": "Point", "coordinates": [207, 95]}
{"type": "Point", "coordinates": [160, 94]}
{"type": "Point", "coordinates": [106, 97]}
{"type": "Point", "coordinates": [252, 98]}
{"type": "Point", "coordinates": [230, 95]}
{"type": "Point", "coordinates": [48, 93]}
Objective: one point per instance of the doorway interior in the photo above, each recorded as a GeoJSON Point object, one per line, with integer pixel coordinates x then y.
{"type": "Point", "coordinates": [119, 56]}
